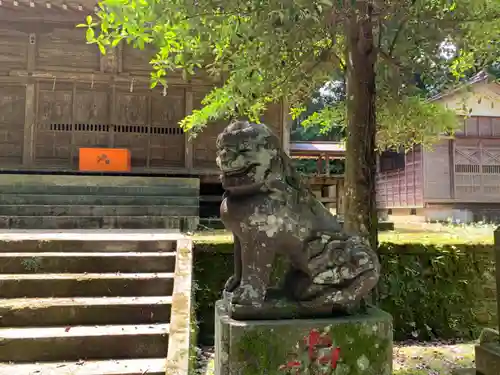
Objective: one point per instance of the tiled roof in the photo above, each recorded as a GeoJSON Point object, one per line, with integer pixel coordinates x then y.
{"type": "Point", "coordinates": [482, 76]}
{"type": "Point", "coordinates": [317, 147]}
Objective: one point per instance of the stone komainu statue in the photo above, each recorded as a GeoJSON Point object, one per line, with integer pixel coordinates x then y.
{"type": "Point", "coordinates": [271, 212]}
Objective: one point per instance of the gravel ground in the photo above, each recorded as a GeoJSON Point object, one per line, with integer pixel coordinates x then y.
{"type": "Point", "coordinates": [410, 358]}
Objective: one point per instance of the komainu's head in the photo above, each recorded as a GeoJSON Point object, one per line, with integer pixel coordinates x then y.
{"type": "Point", "coordinates": [246, 153]}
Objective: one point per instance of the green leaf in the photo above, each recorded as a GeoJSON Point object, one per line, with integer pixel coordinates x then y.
{"type": "Point", "coordinates": [102, 49]}
{"type": "Point", "coordinates": [104, 25]}
{"type": "Point", "coordinates": [90, 35]}
{"type": "Point", "coordinates": [140, 44]}
{"type": "Point", "coordinates": [89, 20]}
{"type": "Point", "coordinates": [263, 62]}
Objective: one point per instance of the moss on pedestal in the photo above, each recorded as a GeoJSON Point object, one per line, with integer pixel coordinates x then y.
{"type": "Point", "coordinates": [258, 350]}
{"type": "Point", "coordinates": [262, 347]}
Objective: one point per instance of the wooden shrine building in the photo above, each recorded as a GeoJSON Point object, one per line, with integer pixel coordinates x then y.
{"type": "Point", "coordinates": [59, 95]}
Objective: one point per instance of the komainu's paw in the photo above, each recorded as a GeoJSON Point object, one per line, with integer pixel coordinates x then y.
{"type": "Point", "coordinates": [246, 294]}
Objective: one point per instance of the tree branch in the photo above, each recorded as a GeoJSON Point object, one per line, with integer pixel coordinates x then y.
{"type": "Point", "coordinates": [402, 24]}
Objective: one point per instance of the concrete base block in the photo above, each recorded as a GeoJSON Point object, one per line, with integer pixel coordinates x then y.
{"type": "Point", "coordinates": [488, 358]}
{"type": "Point", "coordinates": [352, 345]}
{"type": "Point", "coordinates": [464, 371]}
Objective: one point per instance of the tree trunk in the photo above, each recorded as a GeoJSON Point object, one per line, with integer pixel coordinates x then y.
{"type": "Point", "coordinates": [360, 206]}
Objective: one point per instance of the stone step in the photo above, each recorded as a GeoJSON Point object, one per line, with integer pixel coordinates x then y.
{"type": "Point", "coordinates": [149, 366]}
{"type": "Point", "coordinates": [96, 222]}
{"type": "Point", "coordinates": [85, 285]}
{"type": "Point", "coordinates": [70, 242]}
{"type": "Point", "coordinates": [98, 210]}
{"type": "Point", "coordinates": [22, 312]}
{"type": "Point", "coordinates": [50, 179]}
{"type": "Point", "coordinates": [107, 200]}
{"type": "Point", "coordinates": [67, 343]}
{"type": "Point", "coordinates": [59, 262]}
{"type": "Point", "coordinates": [181, 191]}
{"type": "Point", "coordinates": [211, 223]}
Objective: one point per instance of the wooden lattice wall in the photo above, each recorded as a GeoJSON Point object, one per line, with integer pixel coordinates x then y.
{"type": "Point", "coordinates": [73, 116]}
{"type": "Point", "coordinates": [466, 168]}
{"type": "Point", "coordinates": [477, 169]}
{"type": "Point", "coordinates": [402, 187]}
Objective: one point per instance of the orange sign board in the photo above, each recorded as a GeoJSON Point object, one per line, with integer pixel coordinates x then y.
{"type": "Point", "coordinates": [104, 160]}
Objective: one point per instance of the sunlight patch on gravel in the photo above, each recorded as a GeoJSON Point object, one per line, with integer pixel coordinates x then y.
{"type": "Point", "coordinates": [431, 359]}
{"type": "Point", "coordinates": [408, 359]}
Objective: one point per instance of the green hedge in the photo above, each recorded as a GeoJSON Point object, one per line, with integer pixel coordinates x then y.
{"type": "Point", "coordinates": [438, 291]}
{"type": "Point", "coordinates": [432, 291]}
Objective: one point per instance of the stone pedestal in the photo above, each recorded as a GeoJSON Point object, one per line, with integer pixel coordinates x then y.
{"type": "Point", "coordinates": [352, 345]}
{"type": "Point", "coordinates": [464, 371]}
{"type": "Point", "coordinates": [488, 358]}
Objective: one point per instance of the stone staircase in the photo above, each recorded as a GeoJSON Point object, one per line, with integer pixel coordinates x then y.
{"type": "Point", "coordinates": [37, 201]}
{"type": "Point", "coordinates": [94, 303]}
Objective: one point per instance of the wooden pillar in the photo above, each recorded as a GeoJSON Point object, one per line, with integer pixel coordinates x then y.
{"type": "Point", "coordinates": [332, 196]}
{"type": "Point", "coordinates": [337, 197]}
{"type": "Point", "coordinates": [29, 125]}
{"type": "Point", "coordinates": [451, 151]}
{"type": "Point", "coordinates": [327, 165]}
{"type": "Point", "coordinates": [188, 144]}
{"type": "Point", "coordinates": [285, 126]}
{"type": "Point", "coordinates": [73, 150]}
{"type": "Point", "coordinates": [112, 118]}
{"type": "Point", "coordinates": [149, 122]}
{"type": "Point", "coordinates": [30, 105]}
{"type": "Point", "coordinates": [319, 164]}
{"type": "Point", "coordinates": [340, 197]}
{"type": "Point", "coordinates": [481, 175]}
{"type": "Point", "coordinates": [111, 61]}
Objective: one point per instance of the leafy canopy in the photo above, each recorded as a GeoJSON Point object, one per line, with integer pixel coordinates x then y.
{"type": "Point", "coordinates": [268, 50]}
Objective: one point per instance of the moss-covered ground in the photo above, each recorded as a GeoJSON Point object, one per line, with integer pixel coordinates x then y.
{"type": "Point", "coordinates": [423, 233]}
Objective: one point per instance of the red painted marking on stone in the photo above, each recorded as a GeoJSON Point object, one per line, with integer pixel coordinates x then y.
{"type": "Point", "coordinates": [313, 341]}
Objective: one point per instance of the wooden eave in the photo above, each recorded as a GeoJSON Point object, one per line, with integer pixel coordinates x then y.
{"type": "Point", "coordinates": [57, 5]}
{"type": "Point", "coordinates": [304, 155]}
{"type": "Point", "coordinates": [46, 11]}
{"type": "Point", "coordinates": [316, 149]}
{"type": "Point", "coordinates": [481, 77]}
